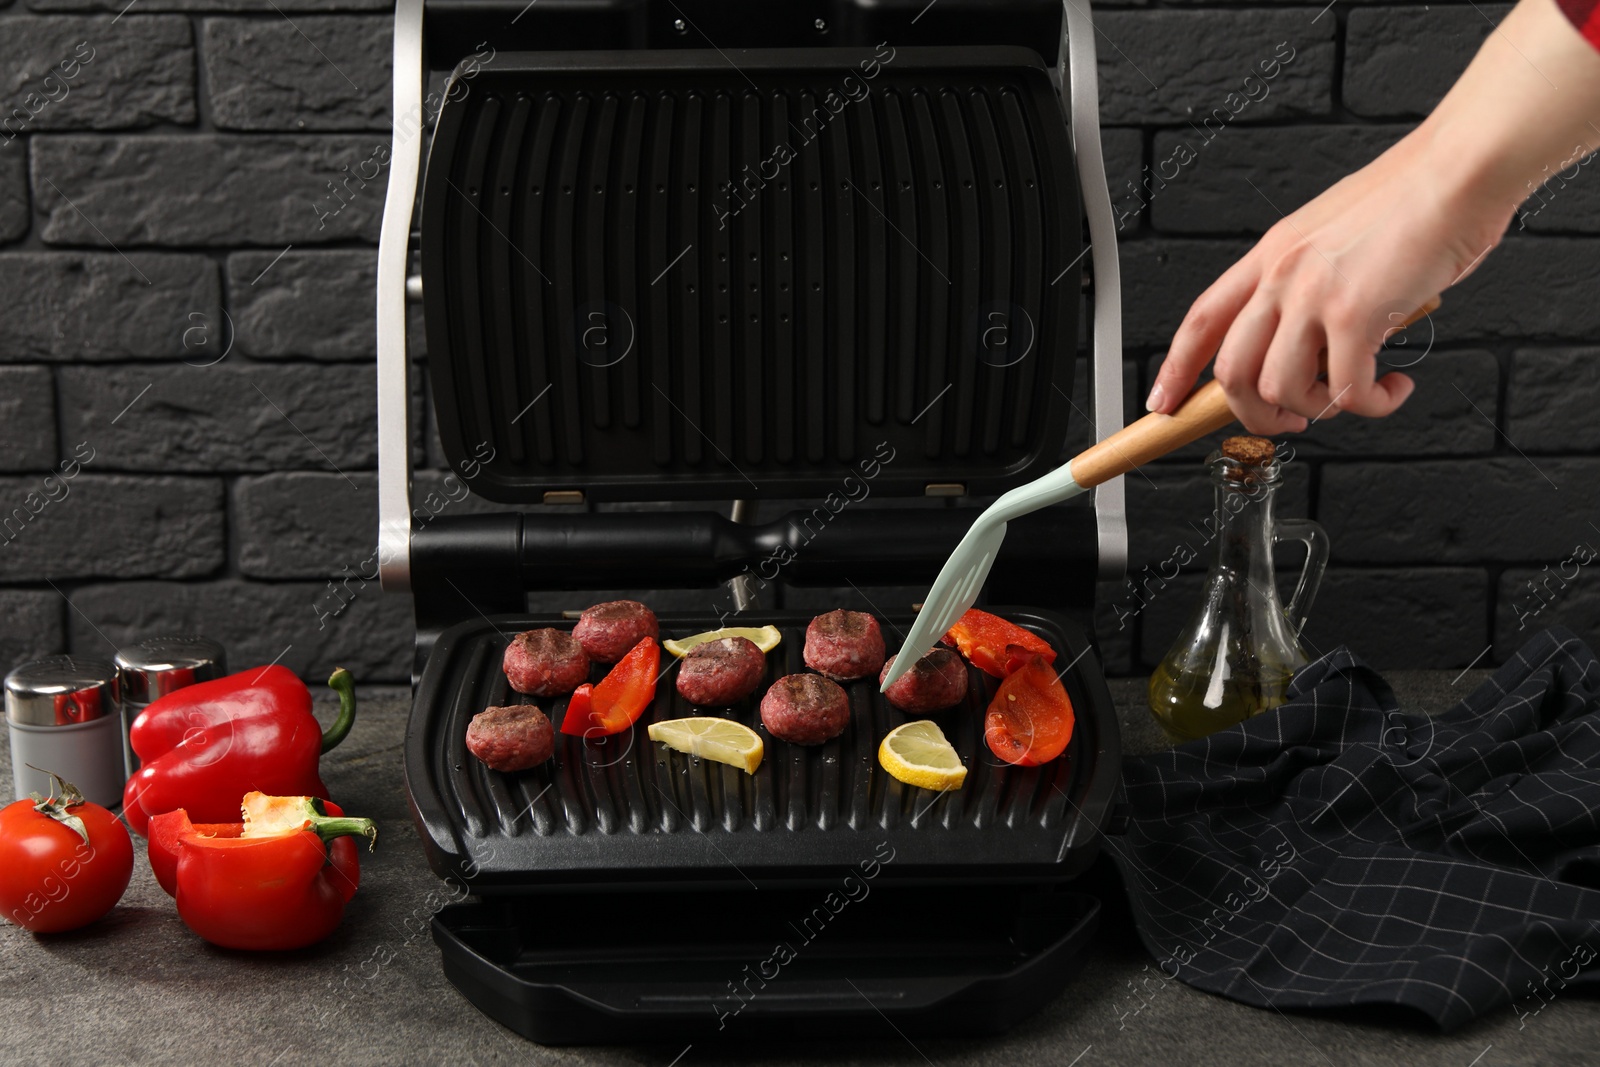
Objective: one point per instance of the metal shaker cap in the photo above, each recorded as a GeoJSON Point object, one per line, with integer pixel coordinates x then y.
{"type": "Point", "coordinates": [156, 666]}
{"type": "Point", "coordinates": [62, 691]}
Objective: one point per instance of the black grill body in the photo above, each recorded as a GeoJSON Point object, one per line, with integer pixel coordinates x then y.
{"type": "Point", "coordinates": [664, 273]}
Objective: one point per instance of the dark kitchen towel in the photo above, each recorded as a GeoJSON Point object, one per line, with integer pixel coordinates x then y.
{"type": "Point", "coordinates": [1338, 851]}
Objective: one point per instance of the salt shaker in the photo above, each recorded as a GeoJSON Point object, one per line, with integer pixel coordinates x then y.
{"type": "Point", "coordinates": [64, 714]}
{"type": "Point", "coordinates": [157, 666]}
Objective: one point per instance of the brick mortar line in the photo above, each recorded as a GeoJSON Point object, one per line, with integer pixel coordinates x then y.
{"type": "Point", "coordinates": [202, 83]}
{"type": "Point", "coordinates": [342, 244]}
{"type": "Point", "coordinates": [20, 9]}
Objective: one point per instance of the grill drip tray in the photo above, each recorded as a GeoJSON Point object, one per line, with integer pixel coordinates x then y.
{"type": "Point", "coordinates": [628, 813]}
{"type": "Point", "coordinates": [861, 959]}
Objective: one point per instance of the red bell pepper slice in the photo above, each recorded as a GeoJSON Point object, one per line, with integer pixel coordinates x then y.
{"type": "Point", "coordinates": [985, 639]}
{"type": "Point", "coordinates": [278, 881]}
{"type": "Point", "coordinates": [203, 747]}
{"type": "Point", "coordinates": [578, 705]}
{"type": "Point", "coordinates": [620, 698]}
{"type": "Point", "coordinates": [1017, 657]}
{"type": "Point", "coordinates": [1030, 719]}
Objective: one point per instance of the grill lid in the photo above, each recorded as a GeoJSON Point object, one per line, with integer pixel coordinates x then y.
{"type": "Point", "coordinates": [696, 275]}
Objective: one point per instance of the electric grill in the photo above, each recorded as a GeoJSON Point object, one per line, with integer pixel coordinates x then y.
{"type": "Point", "coordinates": [677, 251]}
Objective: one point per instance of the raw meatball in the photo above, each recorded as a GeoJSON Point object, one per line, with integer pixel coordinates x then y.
{"type": "Point", "coordinates": [935, 682]}
{"type": "Point", "coordinates": [844, 645]}
{"type": "Point", "coordinates": [722, 671]}
{"type": "Point", "coordinates": [607, 631]}
{"type": "Point", "coordinates": [544, 663]}
{"type": "Point", "coordinates": [513, 738]}
{"type": "Point", "coordinates": [805, 709]}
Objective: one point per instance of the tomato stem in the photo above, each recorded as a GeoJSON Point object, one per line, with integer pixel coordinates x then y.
{"type": "Point", "coordinates": [57, 807]}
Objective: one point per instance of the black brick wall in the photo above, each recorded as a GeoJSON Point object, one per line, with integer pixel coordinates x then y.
{"type": "Point", "coordinates": [182, 184]}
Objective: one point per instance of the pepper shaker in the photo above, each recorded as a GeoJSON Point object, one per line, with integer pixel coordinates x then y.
{"type": "Point", "coordinates": [156, 666]}
{"type": "Point", "coordinates": [64, 714]}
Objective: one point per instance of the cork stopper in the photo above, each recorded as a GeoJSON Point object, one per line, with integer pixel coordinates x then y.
{"type": "Point", "coordinates": [1246, 459]}
{"type": "Point", "coordinates": [1253, 451]}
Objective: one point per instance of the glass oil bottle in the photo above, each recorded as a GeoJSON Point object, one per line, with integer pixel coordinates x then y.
{"type": "Point", "coordinates": [1236, 655]}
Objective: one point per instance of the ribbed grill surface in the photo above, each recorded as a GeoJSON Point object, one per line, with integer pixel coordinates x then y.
{"type": "Point", "coordinates": [628, 802]}
{"type": "Point", "coordinates": [662, 278]}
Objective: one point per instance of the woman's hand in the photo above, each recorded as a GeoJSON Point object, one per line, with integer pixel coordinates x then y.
{"type": "Point", "coordinates": [1340, 274]}
{"type": "Point", "coordinates": [1337, 276]}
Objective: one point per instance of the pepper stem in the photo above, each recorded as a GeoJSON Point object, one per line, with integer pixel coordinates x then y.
{"type": "Point", "coordinates": [329, 827]}
{"type": "Point", "coordinates": [345, 685]}
{"type": "Point", "coordinates": [266, 816]}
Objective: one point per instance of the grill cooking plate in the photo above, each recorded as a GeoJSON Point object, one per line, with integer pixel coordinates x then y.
{"type": "Point", "coordinates": [630, 810]}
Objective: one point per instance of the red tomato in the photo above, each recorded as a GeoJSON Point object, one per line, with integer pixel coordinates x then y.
{"type": "Point", "coordinates": [1030, 719]}
{"type": "Point", "coordinates": [53, 880]}
{"type": "Point", "coordinates": [986, 640]}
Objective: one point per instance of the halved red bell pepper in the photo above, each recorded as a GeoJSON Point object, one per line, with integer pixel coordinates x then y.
{"type": "Point", "coordinates": [278, 880]}
{"type": "Point", "coordinates": [205, 746]}
{"type": "Point", "coordinates": [985, 639]}
{"type": "Point", "coordinates": [620, 698]}
{"type": "Point", "coordinates": [1030, 719]}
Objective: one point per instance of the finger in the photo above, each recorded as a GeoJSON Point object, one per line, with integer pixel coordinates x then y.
{"type": "Point", "coordinates": [1289, 374]}
{"type": "Point", "coordinates": [1352, 374]}
{"type": "Point", "coordinates": [1200, 334]}
{"type": "Point", "coordinates": [1239, 369]}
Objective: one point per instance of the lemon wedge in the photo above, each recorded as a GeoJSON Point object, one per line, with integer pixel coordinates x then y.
{"type": "Point", "coordinates": [765, 638]}
{"type": "Point", "coordinates": [918, 754]}
{"type": "Point", "coordinates": [708, 737]}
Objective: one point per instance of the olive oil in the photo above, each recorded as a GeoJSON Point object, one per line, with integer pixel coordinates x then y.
{"type": "Point", "coordinates": [1192, 703]}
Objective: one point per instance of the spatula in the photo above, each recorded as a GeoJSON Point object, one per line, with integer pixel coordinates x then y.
{"type": "Point", "coordinates": [1151, 437]}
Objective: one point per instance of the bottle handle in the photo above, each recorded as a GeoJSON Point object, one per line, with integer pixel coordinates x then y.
{"type": "Point", "coordinates": [1315, 538]}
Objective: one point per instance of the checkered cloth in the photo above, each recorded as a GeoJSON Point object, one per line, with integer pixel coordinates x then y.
{"type": "Point", "coordinates": [1338, 851]}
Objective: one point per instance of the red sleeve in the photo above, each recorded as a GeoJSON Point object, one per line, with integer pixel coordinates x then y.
{"type": "Point", "coordinates": [1585, 14]}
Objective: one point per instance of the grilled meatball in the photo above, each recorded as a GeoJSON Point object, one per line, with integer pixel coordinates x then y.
{"type": "Point", "coordinates": [607, 631]}
{"type": "Point", "coordinates": [722, 671]}
{"type": "Point", "coordinates": [545, 662]}
{"type": "Point", "coordinates": [805, 709]}
{"type": "Point", "coordinates": [512, 738]}
{"type": "Point", "coordinates": [844, 645]}
{"type": "Point", "coordinates": [935, 682]}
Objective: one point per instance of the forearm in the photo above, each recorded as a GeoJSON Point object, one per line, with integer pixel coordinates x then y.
{"type": "Point", "coordinates": [1527, 106]}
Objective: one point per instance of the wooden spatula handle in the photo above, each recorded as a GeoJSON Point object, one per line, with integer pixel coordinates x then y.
{"type": "Point", "coordinates": [1155, 435]}
{"type": "Point", "coordinates": [1206, 411]}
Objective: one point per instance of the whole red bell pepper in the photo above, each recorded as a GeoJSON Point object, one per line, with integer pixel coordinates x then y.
{"type": "Point", "coordinates": [278, 880]}
{"type": "Point", "coordinates": [620, 698]}
{"type": "Point", "coordinates": [203, 747]}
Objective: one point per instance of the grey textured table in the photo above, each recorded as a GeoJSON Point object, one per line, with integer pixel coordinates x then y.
{"type": "Point", "coordinates": [137, 987]}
